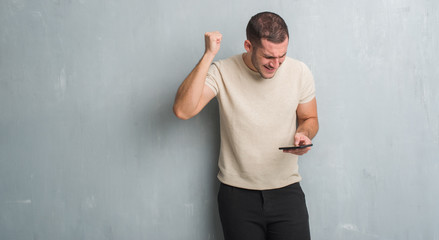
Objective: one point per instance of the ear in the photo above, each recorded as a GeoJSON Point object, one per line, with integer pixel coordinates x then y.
{"type": "Point", "coordinates": [248, 46]}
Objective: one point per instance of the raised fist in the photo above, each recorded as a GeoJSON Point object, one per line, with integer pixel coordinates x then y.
{"type": "Point", "coordinates": [213, 42]}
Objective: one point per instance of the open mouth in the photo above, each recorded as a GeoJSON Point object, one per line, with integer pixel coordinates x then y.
{"type": "Point", "coordinates": [269, 69]}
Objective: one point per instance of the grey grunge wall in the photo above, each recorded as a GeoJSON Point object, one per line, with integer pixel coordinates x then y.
{"type": "Point", "coordinates": [90, 148]}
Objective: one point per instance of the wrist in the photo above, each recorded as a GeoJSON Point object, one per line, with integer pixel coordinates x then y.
{"type": "Point", "coordinates": [209, 55]}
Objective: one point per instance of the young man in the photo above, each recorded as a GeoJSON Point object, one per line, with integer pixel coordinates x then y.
{"type": "Point", "coordinates": [261, 94]}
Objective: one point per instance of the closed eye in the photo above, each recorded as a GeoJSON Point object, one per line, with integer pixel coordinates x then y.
{"type": "Point", "coordinates": [271, 57]}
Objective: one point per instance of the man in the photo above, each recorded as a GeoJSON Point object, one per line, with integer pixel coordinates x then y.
{"type": "Point", "coordinates": [261, 93]}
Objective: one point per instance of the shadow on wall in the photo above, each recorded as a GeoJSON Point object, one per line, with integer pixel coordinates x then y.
{"type": "Point", "coordinates": [182, 162]}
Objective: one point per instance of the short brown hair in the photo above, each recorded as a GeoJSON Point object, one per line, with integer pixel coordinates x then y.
{"type": "Point", "coordinates": [266, 25]}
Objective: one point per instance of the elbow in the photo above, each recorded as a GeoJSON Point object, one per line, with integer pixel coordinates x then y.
{"type": "Point", "coordinates": [180, 114]}
{"type": "Point", "coordinates": [316, 126]}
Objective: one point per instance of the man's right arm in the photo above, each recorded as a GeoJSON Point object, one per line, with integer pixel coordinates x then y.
{"type": "Point", "coordinates": [193, 95]}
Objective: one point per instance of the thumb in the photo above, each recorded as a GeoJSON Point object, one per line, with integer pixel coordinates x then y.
{"type": "Point", "coordinates": [297, 139]}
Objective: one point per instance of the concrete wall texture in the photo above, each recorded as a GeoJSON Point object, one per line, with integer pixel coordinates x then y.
{"type": "Point", "coordinates": [90, 148]}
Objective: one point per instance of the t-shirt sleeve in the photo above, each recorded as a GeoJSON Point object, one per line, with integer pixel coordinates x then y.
{"type": "Point", "coordinates": [212, 78]}
{"type": "Point", "coordinates": [307, 90]}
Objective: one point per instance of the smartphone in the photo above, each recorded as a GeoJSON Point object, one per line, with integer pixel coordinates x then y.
{"type": "Point", "coordinates": [295, 147]}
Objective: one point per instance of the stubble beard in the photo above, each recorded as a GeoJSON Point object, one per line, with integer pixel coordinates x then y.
{"type": "Point", "coordinates": [256, 65]}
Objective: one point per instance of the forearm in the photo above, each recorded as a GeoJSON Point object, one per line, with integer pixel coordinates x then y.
{"type": "Point", "coordinates": [309, 127]}
{"type": "Point", "coordinates": [189, 93]}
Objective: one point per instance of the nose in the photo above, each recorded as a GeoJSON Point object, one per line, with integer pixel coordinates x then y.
{"type": "Point", "coordinates": [275, 63]}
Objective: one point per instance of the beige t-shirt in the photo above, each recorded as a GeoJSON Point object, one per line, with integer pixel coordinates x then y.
{"type": "Point", "coordinates": [257, 116]}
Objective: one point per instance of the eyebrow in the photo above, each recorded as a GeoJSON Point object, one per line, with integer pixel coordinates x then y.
{"type": "Point", "coordinates": [268, 56]}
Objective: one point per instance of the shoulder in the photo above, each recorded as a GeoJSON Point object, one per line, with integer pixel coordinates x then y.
{"type": "Point", "coordinates": [295, 65]}
{"type": "Point", "coordinates": [227, 63]}
{"type": "Point", "coordinates": [223, 68]}
{"type": "Point", "coordinates": [295, 68]}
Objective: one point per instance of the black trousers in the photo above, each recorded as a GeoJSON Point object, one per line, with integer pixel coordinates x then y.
{"type": "Point", "coordinates": [278, 214]}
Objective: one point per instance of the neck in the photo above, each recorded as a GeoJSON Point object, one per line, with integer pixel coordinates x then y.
{"type": "Point", "coordinates": [248, 61]}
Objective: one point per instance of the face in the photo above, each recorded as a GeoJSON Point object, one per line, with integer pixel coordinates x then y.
{"type": "Point", "coordinates": [267, 58]}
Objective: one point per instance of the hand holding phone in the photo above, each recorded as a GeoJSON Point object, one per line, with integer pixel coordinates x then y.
{"type": "Point", "coordinates": [295, 147]}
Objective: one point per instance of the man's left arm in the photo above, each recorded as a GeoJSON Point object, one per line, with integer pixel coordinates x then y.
{"type": "Point", "coordinates": [307, 128]}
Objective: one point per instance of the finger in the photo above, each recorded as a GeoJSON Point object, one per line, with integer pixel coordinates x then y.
{"type": "Point", "coordinates": [297, 151]}
{"type": "Point", "coordinates": [298, 138]}
{"type": "Point", "coordinates": [301, 139]}
{"type": "Point", "coordinates": [304, 150]}
{"type": "Point", "coordinates": [218, 37]}
{"type": "Point", "coordinates": [293, 151]}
